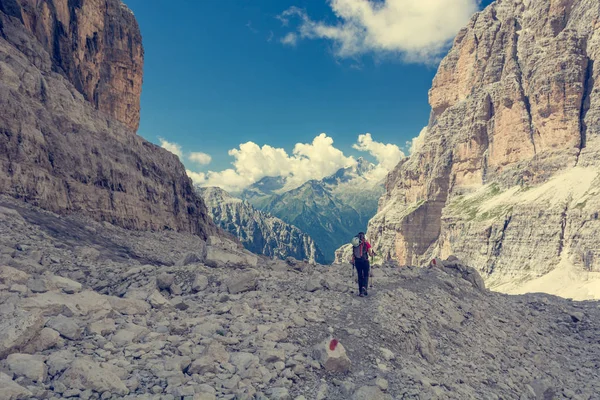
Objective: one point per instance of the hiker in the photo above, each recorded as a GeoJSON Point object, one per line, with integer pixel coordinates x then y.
{"type": "Point", "coordinates": [360, 260]}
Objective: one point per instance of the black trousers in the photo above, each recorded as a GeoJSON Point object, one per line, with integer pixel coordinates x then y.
{"type": "Point", "coordinates": [362, 268]}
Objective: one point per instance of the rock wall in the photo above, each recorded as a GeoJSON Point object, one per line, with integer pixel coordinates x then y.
{"type": "Point", "coordinates": [95, 44]}
{"type": "Point", "coordinates": [259, 232]}
{"type": "Point", "coordinates": [57, 150]}
{"type": "Point", "coordinates": [508, 169]}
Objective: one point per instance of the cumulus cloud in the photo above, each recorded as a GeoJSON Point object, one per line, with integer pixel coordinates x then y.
{"type": "Point", "coordinates": [387, 155]}
{"type": "Point", "coordinates": [172, 147]}
{"type": "Point", "coordinates": [200, 158]}
{"type": "Point", "coordinates": [314, 160]}
{"type": "Point", "coordinates": [416, 143]}
{"type": "Point", "coordinates": [419, 30]}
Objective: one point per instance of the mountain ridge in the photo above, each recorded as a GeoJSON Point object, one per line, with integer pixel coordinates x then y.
{"type": "Point", "coordinates": [259, 232]}
{"type": "Point", "coordinates": [331, 210]}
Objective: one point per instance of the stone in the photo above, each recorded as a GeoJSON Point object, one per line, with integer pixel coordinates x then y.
{"type": "Point", "coordinates": [102, 327]}
{"type": "Point", "coordinates": [279, 393]}
{"type": "Point", "coordinates": [164, 281]}
{"type": "Point", "coordinates": [194, 257]}
{"type": "Point", "coordinates": [10, 276]}
{"type": "Point", "coordinates": [313, 284]}
{"type": "Point", "coordinates": [204, 396]}
{"type": "Point", "coordinates": [387, 354]}
{"type": "Point", "coordinates": [46, 339]}
{"type": "Point", "coordinates": [200, 283]}
{"type": "Point", "coordinates": [12, 390]}
{"type": "Point", "coordinates": [370, 393]}
{"type": "Point", "coordinates": [37, 285]}
{"type": "Point", "coordinates": [243, 282]}
{"type": "Point", "coordinates": [67, 327]}
{"type": "Point", "coordinates": [129, 306]}
{"type": "Point", "coordinates": [382, 384]}
{"type": "Point", "coordinates": [157, 300]}
{"type": "Point", "coordinates": [28, 366]}
{"type": "Point", "coordinates": [218, 258]}
{"type": "Point", "coordinates": [18, 330]}
{"type": "Point", "coordinates": [18, 288]}
{"type": "Point", "coordinates": [66, 285]}
{"type": "Point", "coordinates": [332, 356]}
{"type": "Point", "coordinates": [85, 374]}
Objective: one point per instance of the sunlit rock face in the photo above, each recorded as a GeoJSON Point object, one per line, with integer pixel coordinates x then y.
{"type": "Point", "coordinates": [507, 175]}
{"type": "Point", "coordinates": [70, 79]}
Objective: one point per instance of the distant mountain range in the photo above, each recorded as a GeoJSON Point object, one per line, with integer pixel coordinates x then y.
{"type": "Point", "coordinates": [259, 232]}
{"type": "Point", "coordinates": [331, 210]}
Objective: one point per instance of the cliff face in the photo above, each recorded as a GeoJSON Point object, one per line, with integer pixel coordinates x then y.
{"type": "Point", "coordinates": [509, 167]}
{"type": "Point", "coordinates": [62, 94]}
{"type": "Point", "coordinates": [95, 44]}
{"type": "Point", "coordinates": [259, 232]}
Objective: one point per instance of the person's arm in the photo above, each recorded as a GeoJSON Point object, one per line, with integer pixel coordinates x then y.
{"type": "Point", "coordinates": [370, 250]}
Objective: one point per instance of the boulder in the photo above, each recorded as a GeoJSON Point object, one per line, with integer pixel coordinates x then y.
{"type": "Point", "coordinates": [243, 282]}
{"type": "Point", "coordinates": [468, 273]}
{"type": "Point", "coordinates": [28, 366]}
{"type": "Point", "coordinates": [10, 276]}
{"type": "Point", "coordinates": [200, 283]}
{"type": "Point", "coordinates": [11, 390]}
{"type": "Point", "coordinates": [165, 280]}
{"type": "Point", "coordinates": [38, 285]}
{"type": "Point", "coordinates": [66, 285]}
{"type": "Point", "coordinates": [67, 327]}
{"type": "Point", "coordinates": [195, 257]}
{"type": "Point", "coordinates": [157, 300]}
{"type": "Point", "coordinates": [85, 374]}
{"type": "Point", "coordinates": [313, 284]}
{"type": "Point", "coordinates": [103, 327]}
{"type": "Point", "coordinates": [217, 258]}
{"type": "Point", "coordinates": [129, 306]}
{"type": "Point", "coordinates": [370, 393]}
{"type": "Point", "coordinates": [18, 330]}
{"type": "Point", "coordinates": [332, 356]}
{"type": "Point", "coordinates": [47, 339]}
{"type": "Point", "coordinates": [279, 393]}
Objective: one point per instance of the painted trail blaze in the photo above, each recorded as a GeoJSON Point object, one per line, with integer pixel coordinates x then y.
{"type": "Point", "coordinates": [333, 344]}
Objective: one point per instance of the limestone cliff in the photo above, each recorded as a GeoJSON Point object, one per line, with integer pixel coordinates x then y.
{"type": "Point", "coordinates": [507, 176]}
{"type": "Point", "coordinates": [69, 72]}
{"type": "Point", "coordinates": [95, 44]}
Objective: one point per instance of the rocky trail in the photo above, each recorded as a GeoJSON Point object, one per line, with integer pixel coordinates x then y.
{"type": "Point", "coordinates": [92, 311]}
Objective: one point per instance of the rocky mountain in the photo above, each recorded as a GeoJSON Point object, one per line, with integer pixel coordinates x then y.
{"type": "Point", "coordinates": [259, 232]}
{"type": "Point", "coordinates": [331, 210]}
{"type": "Point", "coordinates": [91, 310]}
{"type": "Point", "coordinates": [70, 82]}
{"type": "Point", "coordinates": [508, 173]}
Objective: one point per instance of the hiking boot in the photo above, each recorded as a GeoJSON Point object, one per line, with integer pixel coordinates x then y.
{"type": "Point", "coordinates": [364, 292]}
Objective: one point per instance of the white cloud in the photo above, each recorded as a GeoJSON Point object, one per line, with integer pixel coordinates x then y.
{"type": "Point", "coordinates": [387, 155]}
{"type": "Point", "coordinates": [314, 160]}
{"type": "Point", "coordinates": [197, 177]}
{"type": "Point", "coordinates": [291, 39]}
{"type": "Point", "coordinates": [417, 142]}
{"type": "Point", "coordinates": [172, 147]}
{"type": "Point", "coordinates": [420, 30]}
{"type": "Point", "coordinates": [200, 158]}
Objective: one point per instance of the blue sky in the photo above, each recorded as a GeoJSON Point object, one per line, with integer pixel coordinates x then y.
{"type": "Point", "coordinates": [217, 75]}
